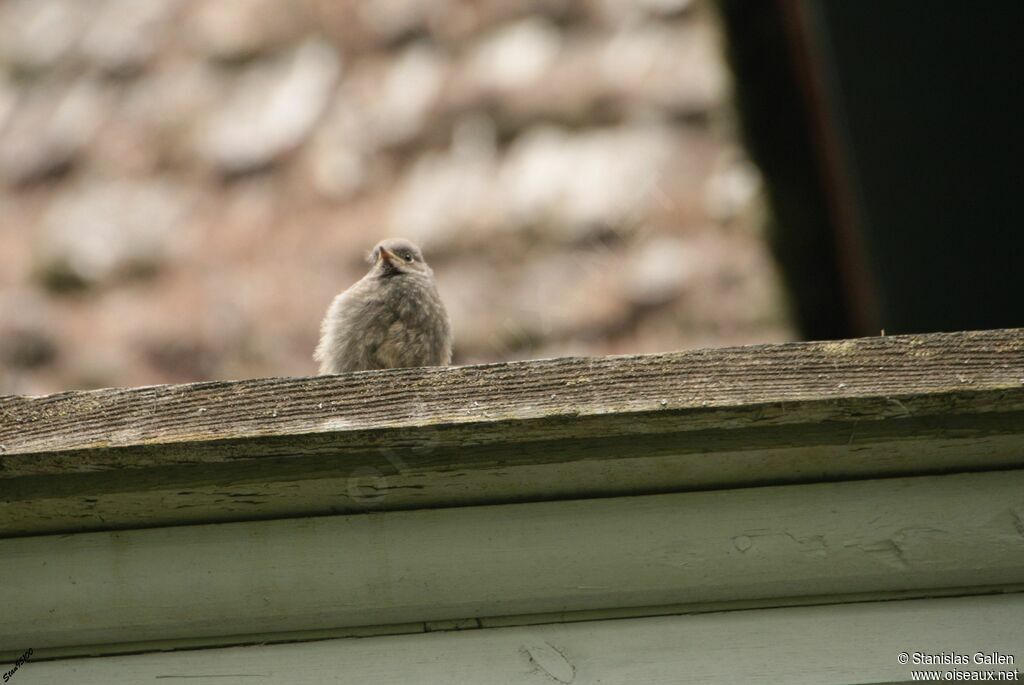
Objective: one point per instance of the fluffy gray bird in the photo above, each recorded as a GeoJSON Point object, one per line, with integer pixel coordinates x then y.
{"type": "Point", "coordinates": [391, 317]}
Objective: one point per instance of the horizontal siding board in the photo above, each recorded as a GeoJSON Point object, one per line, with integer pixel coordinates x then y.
{"type": "Point", "coordinates": [187, 495]}
{"type": "Point", "coordinates": [822, 645]}
{"type": "Point", "coordinates": [924, 533]}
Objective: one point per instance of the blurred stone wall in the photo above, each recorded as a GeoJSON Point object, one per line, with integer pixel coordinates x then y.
{"type": "Point", "coordinates": [185, 184]}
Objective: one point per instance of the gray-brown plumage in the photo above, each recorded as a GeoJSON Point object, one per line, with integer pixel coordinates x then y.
{"type": "Point", "coordinates": [392, 317]}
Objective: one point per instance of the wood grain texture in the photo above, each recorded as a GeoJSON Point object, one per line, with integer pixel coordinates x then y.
{"type": "Point", "coordinates": [923, 534]}
{"type": "Point", "coordinates": [956, 365]}
{"type": "Point", "coordinates": [527, 431]}
{"type": "Point", "coordinates": [823, 645]}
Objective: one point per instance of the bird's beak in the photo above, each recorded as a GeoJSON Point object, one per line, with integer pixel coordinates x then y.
{"type": "Point", "coordinates": [387, 257]}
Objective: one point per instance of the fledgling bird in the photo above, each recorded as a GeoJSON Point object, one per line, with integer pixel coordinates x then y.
{"type": "Point", "coordinates": [392, 317]}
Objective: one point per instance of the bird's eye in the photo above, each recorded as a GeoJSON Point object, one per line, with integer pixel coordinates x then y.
{"type": "Point", "coordinates": [407, 256]}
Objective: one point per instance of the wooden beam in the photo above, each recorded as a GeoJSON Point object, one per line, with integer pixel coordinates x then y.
{"type": "Point", "coordinates": [526, 431]}
{"type": "Point", "coordinates": [823, 645]}
{"type": "Point", "coordinates": [543, 399]}
{"type": "Point", "coordinates": [923, 534]}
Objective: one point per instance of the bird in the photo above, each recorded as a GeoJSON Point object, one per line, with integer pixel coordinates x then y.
{"type": "Point", "coordinates": [392, 317]}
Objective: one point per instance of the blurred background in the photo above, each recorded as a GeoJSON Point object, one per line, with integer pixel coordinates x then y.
{"type": "Point", "coordinates": [186, 184]}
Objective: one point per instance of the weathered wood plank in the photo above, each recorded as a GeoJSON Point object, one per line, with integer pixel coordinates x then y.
{"type": "Point", "coordinates": [824, 645]}
{"type": "Point", "coordinates": [179, 496]}
{"type": "Point", "coordinates": [542, 399]}
{"type": "Point", "coordinates": [526, 431]}
{"type": "Point", "coordinates": [922, 534]}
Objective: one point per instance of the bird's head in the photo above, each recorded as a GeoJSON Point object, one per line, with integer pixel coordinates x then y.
{"type": "Point", "coordinates": [396, 256]}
